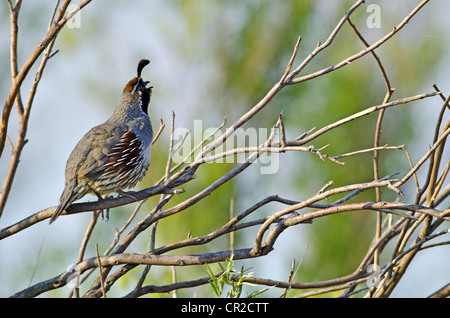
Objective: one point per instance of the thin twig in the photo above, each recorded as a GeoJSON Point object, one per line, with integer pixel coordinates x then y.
{"type": "Point", "coordinates": [100, 270]}
{"type": "Point", "coordinates": [158, 133]}
{"type": "Point", "coordinates": [83, 246]}
{"type": "Point", "coordinates": [291, 61]}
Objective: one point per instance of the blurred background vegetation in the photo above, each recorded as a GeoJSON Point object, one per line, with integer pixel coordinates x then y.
{"type": "Point", "coordinates": [211, 59]}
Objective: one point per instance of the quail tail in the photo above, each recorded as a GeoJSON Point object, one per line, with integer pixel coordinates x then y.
{"type": "Point", "coordinates": [65, 201]}
{"type": "Point", "coordinates": [60, 209]}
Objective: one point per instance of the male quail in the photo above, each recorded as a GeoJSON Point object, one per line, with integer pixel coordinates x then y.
{"type": "Point", "coordinates": [114, 155]}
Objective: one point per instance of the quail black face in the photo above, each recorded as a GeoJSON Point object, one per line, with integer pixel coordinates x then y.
{"type": "Point", "coordinates": [146, 93]}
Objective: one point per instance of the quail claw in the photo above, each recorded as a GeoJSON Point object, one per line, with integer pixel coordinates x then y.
{"type": "Point", "coordinates": [107, 214]}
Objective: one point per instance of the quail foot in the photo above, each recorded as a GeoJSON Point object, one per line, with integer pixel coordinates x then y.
{"type": "Point", "coordinates": [114, 155]}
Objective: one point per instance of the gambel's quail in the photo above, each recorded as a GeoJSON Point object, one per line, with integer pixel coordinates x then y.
{"type": "Point", "coordinates": [114, 155]}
